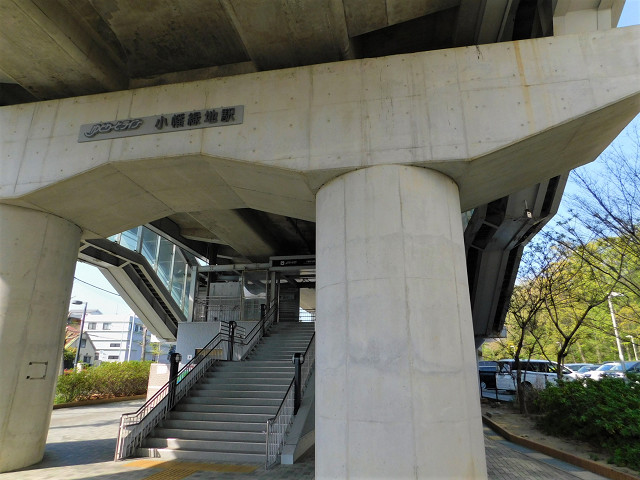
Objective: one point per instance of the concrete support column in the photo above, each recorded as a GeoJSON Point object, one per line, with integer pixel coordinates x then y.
{"type": "Point", "coordinates": [396, 381]}
{"type": "Point", "coordinates": [38, 252]}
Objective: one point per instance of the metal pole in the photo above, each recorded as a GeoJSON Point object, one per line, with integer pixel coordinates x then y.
{"type": "Point", "coordinates": [84, 314]}
{"type": "Point", "coordinates": [615, 331]}
{"type": "Point", "coordinates": [635, 347]}
{"type": "Point", "coordinates": [298, 360]}
{"type": "Point", "coordinates": [174, 359]}
{"type": "Point", "coordinates": [132, 320]}
{"type": "Point", "coordinates": [232, 334]}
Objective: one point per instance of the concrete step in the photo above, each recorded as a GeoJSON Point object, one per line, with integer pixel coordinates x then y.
{"type": "Point", "coordinates": [287, 337]}
{"type": "Point", "coordinates": [229, 375]}
{"type": "Point", "coordinates": [273, 355]}
{"type": "Point", "coordinates": [230, 401]}
{"type": "Point", "coordinates": [214, 426]}
{"type": "Point", "coordinates": [235, 394]}
{"type": "Point", "coordinates": [219, 435]}
{"type": "Point", "coordinates": [201, 456]}
{"type": "Point", "coordinates": [275, 369]}
{"type": "Point", "coordinates": [290, 350]}
{"type": "Point", "coordinates": [219, 417]}
{"type": "Point", "coordinates": [208, 408]}
{"type": "Point", "coordinates": [250, 365]}
{"type": "Point", "coordinates": [241, 387]}
{"type": "Point", "coordinates": [205, 445]}
{"type": "Point", "coordinates": [232, 381]}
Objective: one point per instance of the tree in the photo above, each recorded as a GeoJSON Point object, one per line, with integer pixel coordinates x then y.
{"type": "Point", "coordinates": [526, 303]}
{"type": "Point", "coordinates": [603, 223]}
{"type": "Point", "coordinates": [572, 288]}
{"type": "Point", "coordinates": [68, 357]}
{"type": "Point", "coordinates": [556, 293]}
{"type": "Point", "coordinates": [602, 230]}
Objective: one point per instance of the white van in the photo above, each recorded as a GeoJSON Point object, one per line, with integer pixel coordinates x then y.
{"type": "Point", "coordinates": [534, 373]}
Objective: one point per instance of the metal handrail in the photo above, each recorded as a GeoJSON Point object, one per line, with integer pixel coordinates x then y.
{"type": "Point", "coordinates": [309, 362]}
{"type": "Point", "coordinates": [278, 425]}
{"type": "Point", "coordinates": [260, 328]}
{"type": "Point", "coordinates": [134, 427]}
{"type": "Point", "coordinates": [240, 331]}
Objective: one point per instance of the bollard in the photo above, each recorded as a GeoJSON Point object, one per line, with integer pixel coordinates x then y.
{"type": "Point", "coordinates": [298, 360]}
{"type": "Point", "coordinates": [232, 334]}
{"type": "Point", "coordinates": [174, 363]}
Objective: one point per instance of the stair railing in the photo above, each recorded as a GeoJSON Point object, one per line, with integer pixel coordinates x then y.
{"type": "Point", "coordinates": [278, 425]}
{"type": "Point", "coordinates": [259, 329]}
{"type": "Point", "coordinates": [136, 426]}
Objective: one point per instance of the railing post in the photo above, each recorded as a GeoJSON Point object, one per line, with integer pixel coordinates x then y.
{"type": "Point", "coordinates": [232, 334]}
{"type": "Point", "coordinates": [263, 316]}
{"type": "Point", "coordinates": [298, 360]}
{"type": "Point", "coordinates": [174, 360]}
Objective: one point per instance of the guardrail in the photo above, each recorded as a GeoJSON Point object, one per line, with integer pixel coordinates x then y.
{"type": "Point", "coordinates": [278, 425]}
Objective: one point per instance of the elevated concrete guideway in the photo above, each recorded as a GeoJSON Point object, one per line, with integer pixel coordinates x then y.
{"type": "Point", "coordinates": [386, 120]}
{"type": "Point", "coordinates": [494, 118]}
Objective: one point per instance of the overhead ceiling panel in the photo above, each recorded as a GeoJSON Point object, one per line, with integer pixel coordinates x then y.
{"type": "Point", "coordinates": [364, 16]}
{"type": "Point", "coordinates": [286, 33]}
{"type": "Point", "coordinates": [50, 55]}
{"type": "Point", "coordinates": [162, 36]}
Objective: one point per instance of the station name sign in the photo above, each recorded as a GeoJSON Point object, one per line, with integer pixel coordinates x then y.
{"type": "Point", "coordinates": [174, 122]}
{"type": "Point", "coordinates": [289, 262]}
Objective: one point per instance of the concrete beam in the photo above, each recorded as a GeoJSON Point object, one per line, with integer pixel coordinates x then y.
{"type": "Point", "coordinates": [75, 63]}
{"type": "Point", "coordinates": [495, 118]}
{"type": "Point", "coordinates": [284, 34]}
{"type": "Point", "coordinates": [364, 16]}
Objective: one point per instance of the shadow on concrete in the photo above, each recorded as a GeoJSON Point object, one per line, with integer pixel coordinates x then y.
{"type": "Point", "coordinates": [81, 452]}
{"type": "Point", "coordinates": [86, 425]}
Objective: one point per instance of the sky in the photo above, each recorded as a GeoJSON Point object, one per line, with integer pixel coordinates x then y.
{"type": "Point", "coordinates": [92, 287]}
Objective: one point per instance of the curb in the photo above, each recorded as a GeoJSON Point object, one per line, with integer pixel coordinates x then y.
{"type": "Point", "coordinates": [589, 465]}
{"type": "Point", "coordinates": [98, 401]}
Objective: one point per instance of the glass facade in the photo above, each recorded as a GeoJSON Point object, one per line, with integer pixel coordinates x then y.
{"type": "Point", "coordinates": [170, 262]}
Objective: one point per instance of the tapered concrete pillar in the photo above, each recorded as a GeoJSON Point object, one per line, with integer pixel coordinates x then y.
{"type": "Point", "coordinates": [37, 260]}
{"type": "Point", "coordinates": [396, 383]}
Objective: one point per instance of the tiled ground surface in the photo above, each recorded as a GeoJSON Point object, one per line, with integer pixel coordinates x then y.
{"type": "Point", "coordinates": [81, 443]}
{"type": "Point", "coordinates": [507, 461]}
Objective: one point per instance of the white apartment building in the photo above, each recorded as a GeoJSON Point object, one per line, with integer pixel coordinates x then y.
{"type": "Point", "coordinates": [119, 338]}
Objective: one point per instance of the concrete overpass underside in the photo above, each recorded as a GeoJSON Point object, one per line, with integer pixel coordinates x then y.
{"type": "Point", "coordinates": [356, 130]}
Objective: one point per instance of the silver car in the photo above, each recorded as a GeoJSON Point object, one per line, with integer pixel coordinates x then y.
{"type": "Point", "coordinates": [618, 372]}
{"type": "Point", "coordinates": [600, 371]}
{"type": "Point", "coordinates": [535, 374]}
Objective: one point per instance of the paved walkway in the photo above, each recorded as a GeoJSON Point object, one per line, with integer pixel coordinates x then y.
{"type": "Point", "coordinates": [82, 440]}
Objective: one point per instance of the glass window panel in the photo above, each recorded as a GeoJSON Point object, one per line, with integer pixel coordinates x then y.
{"type": "Point", "coordinates": [129, 239]}
{"type": "Point", "coordinates": [179, 272]}
{"type": "Point", "coordinates": [187, 300]}
{"type": "Point", "coordinates": [150, 246]}
{"type": "Point", "coordinates": [165, 255]}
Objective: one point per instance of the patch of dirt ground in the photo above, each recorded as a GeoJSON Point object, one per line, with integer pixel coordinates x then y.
{"type": "Point", "coordinates": [506, 415]}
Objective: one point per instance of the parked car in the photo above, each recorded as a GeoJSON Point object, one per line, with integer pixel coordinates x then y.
{"type": "Point", "coordinates": [618, 372]}
{"type": "Point", "coordinates": [487, 370]}
{"type": "Point", "coordinates": [601, 370]}
{"type": "Point", "coordinates": [534, 374]}
{"type": "Point", "coordinates": [588, 368]}
{"type": "Point", "coordinates": [581, 368]}
{"type": "Point", "coordinates": [576, 366]}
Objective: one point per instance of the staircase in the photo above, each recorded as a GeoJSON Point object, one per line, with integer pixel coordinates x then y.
{"type": "Point", "coordinates": [223, 419]}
